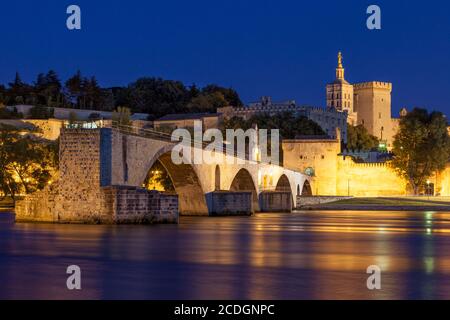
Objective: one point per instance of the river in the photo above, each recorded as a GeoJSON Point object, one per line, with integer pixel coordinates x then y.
{"type": "Point", "coordinates": [303, 255]}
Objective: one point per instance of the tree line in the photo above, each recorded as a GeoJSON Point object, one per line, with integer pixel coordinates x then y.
{"type": "Point", "coordinates": [151, 95]}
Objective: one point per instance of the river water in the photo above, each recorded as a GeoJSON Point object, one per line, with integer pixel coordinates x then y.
{"type": "Point", "coordinates": [303, 255]}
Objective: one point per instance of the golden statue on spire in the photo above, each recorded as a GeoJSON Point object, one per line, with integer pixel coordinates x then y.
{"type": "Point", "coordinates": [340, 59]}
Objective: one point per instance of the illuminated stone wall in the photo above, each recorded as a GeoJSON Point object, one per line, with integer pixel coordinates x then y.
{"type": "Point", "coordinates": [367, 179]}
{"type": "Point", "coordinates": [372, 102]}
{"type": "Point", "coordinates": [47, 129]}
{"type": "Point", "coordinates": [441, 182]}
{"type": "Point", "coordinates": [321, 155]}
{"type": "Point", "coordinates": [336, 175]}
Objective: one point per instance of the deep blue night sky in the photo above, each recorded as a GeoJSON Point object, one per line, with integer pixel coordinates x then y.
{"type": "Point", "coordinates": [286, 49]}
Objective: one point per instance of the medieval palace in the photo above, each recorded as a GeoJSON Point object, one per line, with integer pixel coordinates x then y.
{"type": "Point", "coordinates": [367, 104]}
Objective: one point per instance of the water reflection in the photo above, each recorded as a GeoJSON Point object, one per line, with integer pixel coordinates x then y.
{"type": "Point", "coordinates": [314, 255]}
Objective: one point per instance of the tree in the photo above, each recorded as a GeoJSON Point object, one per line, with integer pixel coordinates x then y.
{"type": "Point", "coordinates": [19, 92]}
{"type": "Point", "coordinates": [25, 164]}
{"type": "Point", "coordinates": [3, 96]}
{"type": "Point", "coordinates": [230, 95]}
{"type": "Point", "coordinates": [207, 102]}
{"type": "Point", "coordinates": [122, 116]}
{"type": "Point", "coordinates": [421, 147]}
{"type": "Point", "coordinates": [8, 185]}
{"type": "Point", "coordinates": [47, 89]}
{"type": "Point", "coordinates": [194, 91]}
{"type": "Point", "coordinates": [158, 179]}
{"type": "Point", "coordinates": [53, 89]}
{"type": "Point", "coordinates": [93, 93]}
{"type": "Point", "coordinates": [39, 112]}
{"type": "Point", "coordinates": [73, 88]}
{"type": "Point", "coordinates": [290, 125]}
{"type": "Point", "coordinates": [358, 138]}
{"type": "Point", "coordinates": [73, 118]}
{"type": "Point", "coordinates": [7, 114]}
{"type": "Point", "coordinates": [151, 95]}
{"type": "Point", "coordinates": [157, 96]}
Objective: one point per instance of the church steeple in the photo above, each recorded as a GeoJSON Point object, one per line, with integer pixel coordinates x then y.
{"type": "Point", "coordinates": [340, 68]}
{"type": "Point", "coordinates": [340, 93]}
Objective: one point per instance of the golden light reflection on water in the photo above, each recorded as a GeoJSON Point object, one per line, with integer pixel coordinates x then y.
{"type": "Point", "coordinates": [300, 255]}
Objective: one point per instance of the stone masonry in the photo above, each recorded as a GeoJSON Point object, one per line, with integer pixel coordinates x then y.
{"type": "Point", "coordinates": [83, 195]}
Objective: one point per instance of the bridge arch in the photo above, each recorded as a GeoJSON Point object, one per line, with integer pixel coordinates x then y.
{"type": "Point", "coordinates": [243, 181]}
{"type": "Point", "coordinates": [306, 189]}
{"type": "Point", "coordinates": [283, 184]}
{"type": "Point", "coordinates": [186, 182]}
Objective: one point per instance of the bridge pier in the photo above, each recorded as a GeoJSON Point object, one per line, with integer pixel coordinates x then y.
{"type": "Point", "coordinates": [230, 203]}
{"type": "Point", "coordinates": [275, 201]}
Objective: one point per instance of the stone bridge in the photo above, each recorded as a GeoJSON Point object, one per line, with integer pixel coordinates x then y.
{"type": "Point", "coordinates": [102, 172]}
{"type": "Point", "coordinates": [127, 157]}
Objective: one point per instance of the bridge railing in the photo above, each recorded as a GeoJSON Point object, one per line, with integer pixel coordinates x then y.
{"type": "Point", "coordinates": [154, 134]}
{"type": "Point", "coordinates": [147, 133]}
{"type": "Point", "coordinates": [158, 135]}
{"type": "Point", "coordinates": [142, 132]}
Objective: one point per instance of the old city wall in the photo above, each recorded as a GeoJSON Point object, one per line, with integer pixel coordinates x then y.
{"type": "Point", "coordinates": [335, 175]}
{"type": "Point", "coordinates": [46, 129]}
{"type": "Point", "coordinates": [321, 155]}
{"type": "Point", "coordinates": [367, 179]}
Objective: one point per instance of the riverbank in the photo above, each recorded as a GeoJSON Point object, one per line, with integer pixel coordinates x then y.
{"type": "Point", "coordinates": [385, 204]}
